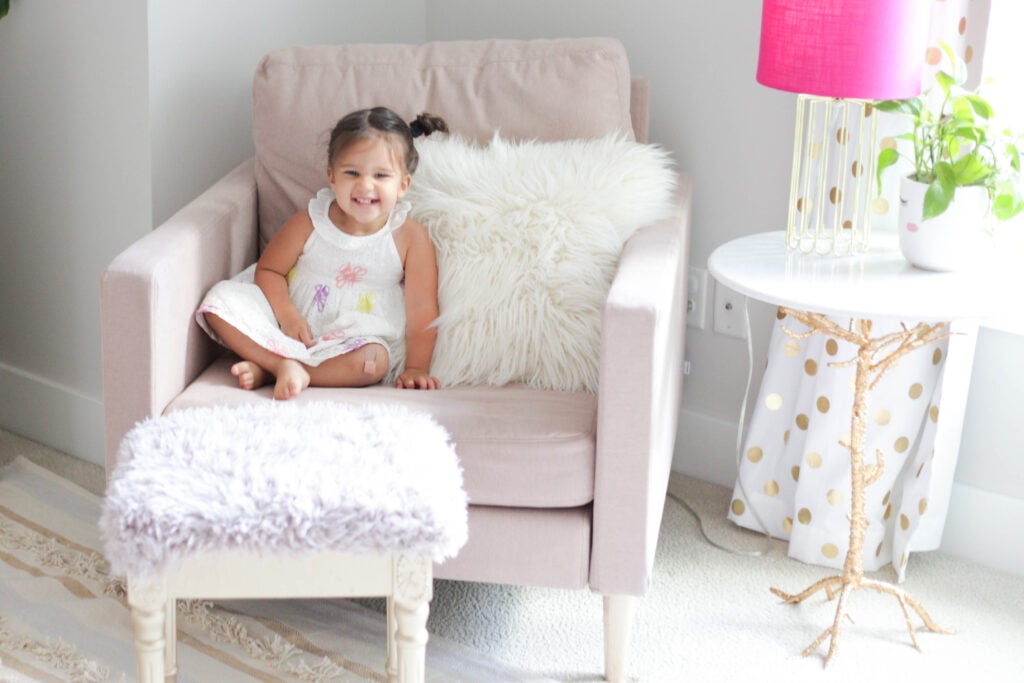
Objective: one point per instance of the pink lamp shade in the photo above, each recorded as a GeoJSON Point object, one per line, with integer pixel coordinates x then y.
{"type": "Point", "coordinates": [858, 49]}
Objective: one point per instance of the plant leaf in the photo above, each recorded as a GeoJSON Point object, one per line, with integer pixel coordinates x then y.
{"type": "Point", "coordinates": [1006, 206]}
{"type": "Point", "coordinates": [886, 158]}
{"type": "Point", "coordinates": [1014, 154]}
{"type": "Point", "coordinates": [940, 192]}
{"type": "Point", "coordinates": [959, 74]}
{"type": "Point", "coordinates": [5, 5]}
{"type": "Point", "coordinates": [911, 107]}
{"type": "Point", "coordinates": [980, 105]}
{"type": "Point", "coordinates": [889, 105]}
{"type": "Point", "coordinates": [953, 143]}
{"type": "Point", "coordinates": [945, 81]}
{"type": "Point", "coordinates": [962, 109]}
{"type": "Point", "coordinates": [971, 169]}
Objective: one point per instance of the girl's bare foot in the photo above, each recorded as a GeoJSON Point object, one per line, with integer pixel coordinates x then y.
{"type": "Point", "coordinates": [292, 378]}
{"type": "Point", "coordinates": [250, 375]}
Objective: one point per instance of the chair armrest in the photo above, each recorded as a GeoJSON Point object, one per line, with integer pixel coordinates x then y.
{"type": "Point", "coordinates": [152, 348]}
{"type": "Point", "coordinates": [640, 384]}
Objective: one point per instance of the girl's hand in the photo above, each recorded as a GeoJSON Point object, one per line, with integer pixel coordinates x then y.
{"type": "Point", "coordinates": [416, 378]}
{"type": "Point", "coordinates": [272, 270]}
{"type": "Point", "coordinates": [296, 327]}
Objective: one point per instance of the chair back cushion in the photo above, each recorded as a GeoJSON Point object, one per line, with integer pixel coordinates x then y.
{"type": "Point", "coordinates": [539, 89]}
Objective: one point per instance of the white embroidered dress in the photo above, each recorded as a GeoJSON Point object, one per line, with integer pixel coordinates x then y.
{"type": "Point", "coordinates": [349, 289]}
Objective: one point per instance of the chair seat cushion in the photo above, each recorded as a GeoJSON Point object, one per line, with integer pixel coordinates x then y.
{"type": "Point", "coordinates": [282, 479]}
{"type": "Point", "coordinates": [518, 446]}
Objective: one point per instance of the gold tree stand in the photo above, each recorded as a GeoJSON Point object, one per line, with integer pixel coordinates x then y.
{"type": "Point", "coordinates": [875, 356]}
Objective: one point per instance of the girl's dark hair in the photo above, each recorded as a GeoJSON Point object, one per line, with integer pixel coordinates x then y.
{"type": "Point", "coordinates": [381, 121]}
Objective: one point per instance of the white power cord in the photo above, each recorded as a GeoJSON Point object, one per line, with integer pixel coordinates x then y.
{"type": "Point", "coordinates": [739, 461]}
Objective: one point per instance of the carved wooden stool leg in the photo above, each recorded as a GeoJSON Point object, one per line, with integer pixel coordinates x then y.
{"type": "Point", "coordinates": [148, 603]}
{"type": "Point", "coordinates": [171, 640]}
{"type": "Point", "coordinates": [411, 643]}
{"type": "Point", "coordinates": [391, 668]}
{"type": "Point", "coordinates": [413, 589]}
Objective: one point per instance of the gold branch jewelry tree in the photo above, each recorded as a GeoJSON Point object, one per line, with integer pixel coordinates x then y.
{"type": "Point", "coordinates": [875, 356]}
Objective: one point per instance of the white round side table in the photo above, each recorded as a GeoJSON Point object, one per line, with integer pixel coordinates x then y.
{"type": "Point", "coordinates": [879, 284]}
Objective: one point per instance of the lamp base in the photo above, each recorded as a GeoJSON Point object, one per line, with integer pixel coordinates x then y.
{"type": "Point", "coordinates": [830, 185]}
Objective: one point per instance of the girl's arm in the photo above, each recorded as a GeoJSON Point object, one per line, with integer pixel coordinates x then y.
{"type": "Point", "coordinates": [420, 308]}
{"type": "Point", "coordinates": [272, 269]}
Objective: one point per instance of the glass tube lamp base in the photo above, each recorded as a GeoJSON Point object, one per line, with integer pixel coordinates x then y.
{"type": "Point", "coordinates": [830, 183]}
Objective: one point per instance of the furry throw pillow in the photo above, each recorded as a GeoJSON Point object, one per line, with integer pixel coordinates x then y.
{"type": "Point", "coordinates": [528, 237]}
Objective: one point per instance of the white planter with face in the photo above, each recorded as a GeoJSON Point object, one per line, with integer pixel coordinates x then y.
{"type": "Point", "coordinates": [957, 239]}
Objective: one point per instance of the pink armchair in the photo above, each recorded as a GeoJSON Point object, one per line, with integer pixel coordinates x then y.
{"type": "Point", "coordinates": [567, 489]}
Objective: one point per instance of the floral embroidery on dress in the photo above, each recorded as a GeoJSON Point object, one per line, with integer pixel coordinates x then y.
{"type": "Point", "coordinates": [333, 334]}
{"type": "Point", "coordinates": [352, 345]}
{"type": "Point", "coordinates": [367, 300]}
{"type": "Point", "coordinates": [320, 297]}
{"type": "Point", "coordinates": [349, 275]}
{"type": "Point", "coordinates": [276, 347]}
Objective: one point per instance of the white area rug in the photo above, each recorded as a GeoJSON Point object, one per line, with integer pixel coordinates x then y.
{"type": "Point", "coordinates": [63, 618]}
{"type": "Point", "coordinates": [709, 615]}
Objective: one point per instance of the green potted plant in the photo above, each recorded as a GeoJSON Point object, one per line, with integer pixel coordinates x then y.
{"type": "Point", "coordinates": [966, 171]}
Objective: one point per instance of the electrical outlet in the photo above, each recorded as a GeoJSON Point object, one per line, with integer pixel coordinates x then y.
{"type": "Point", "coordinates": [697, 298]}
{"type": "Point", "coordinates": [730, 315]}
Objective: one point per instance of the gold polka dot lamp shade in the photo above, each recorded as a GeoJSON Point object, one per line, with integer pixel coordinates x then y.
{"type": "Point", "coordinates": [838, 56]}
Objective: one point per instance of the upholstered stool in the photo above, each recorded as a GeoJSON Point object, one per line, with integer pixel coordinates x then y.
{"type": "Point", "coordinates": [283, 500]}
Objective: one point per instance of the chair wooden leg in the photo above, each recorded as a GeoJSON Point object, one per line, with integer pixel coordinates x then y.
{"type": "Point", "coordinates": [148, 604]}
{"type": "Point", "coordinates": [619, 611]}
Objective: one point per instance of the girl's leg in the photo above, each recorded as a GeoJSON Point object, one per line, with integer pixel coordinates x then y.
{"type": "Point", "coordinates": [362, 367]}
{"type": "Point", "coordinates": [359, 368]}
{"type": "Point", "coordinates": [259, 365]}
{"type": "Point", "coordinates": [253, 371]}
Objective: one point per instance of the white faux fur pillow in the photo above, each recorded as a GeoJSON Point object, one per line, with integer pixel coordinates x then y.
{"type": "Point", "coordinates": [528, 237]}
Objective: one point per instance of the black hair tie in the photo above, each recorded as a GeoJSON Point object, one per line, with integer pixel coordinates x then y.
{"type": "Point", "coordinates": [417, 128]}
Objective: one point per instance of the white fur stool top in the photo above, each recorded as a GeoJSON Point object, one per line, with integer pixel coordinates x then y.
{"type": "Point", "coordinates": [285, 479]}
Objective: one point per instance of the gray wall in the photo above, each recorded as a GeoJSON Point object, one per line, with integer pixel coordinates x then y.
{"type": "Point", "coordinates": [203, 54]}
{"type": "Point", "coordinates": [114, 114]}
{"type": "Point", "coordinates": [74, 190]}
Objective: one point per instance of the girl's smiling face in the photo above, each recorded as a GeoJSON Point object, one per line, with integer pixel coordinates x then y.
{"type": "Point", "coordinates": [367, 179]}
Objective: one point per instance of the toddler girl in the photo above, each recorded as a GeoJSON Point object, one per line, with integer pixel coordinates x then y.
{"type": "Point", "coordinates": [325, 304]}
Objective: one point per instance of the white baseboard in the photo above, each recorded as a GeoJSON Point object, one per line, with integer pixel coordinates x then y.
{"type": "Point", "coordinates": [52, 414]}
{"type": "Point", "coordinates": [981, 526]}
{"type": "Point", "coordinates": [706, 448]}
{"type": "Point", "coordinates": [985, 527]}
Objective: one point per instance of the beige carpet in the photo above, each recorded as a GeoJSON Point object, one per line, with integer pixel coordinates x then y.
{"type": "Point", "coordinates": [708, 617]}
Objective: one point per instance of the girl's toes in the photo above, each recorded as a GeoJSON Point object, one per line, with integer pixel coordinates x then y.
{"type": "Point", "coordinates": [249, 375]}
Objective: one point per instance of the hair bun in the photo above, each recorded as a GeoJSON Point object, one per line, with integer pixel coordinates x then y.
{"type": "Point", "coordinates": [425, 124]}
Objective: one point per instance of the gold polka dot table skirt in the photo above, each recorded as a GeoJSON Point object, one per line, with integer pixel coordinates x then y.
{"type": "Point", "coordinates": [794, 473]}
